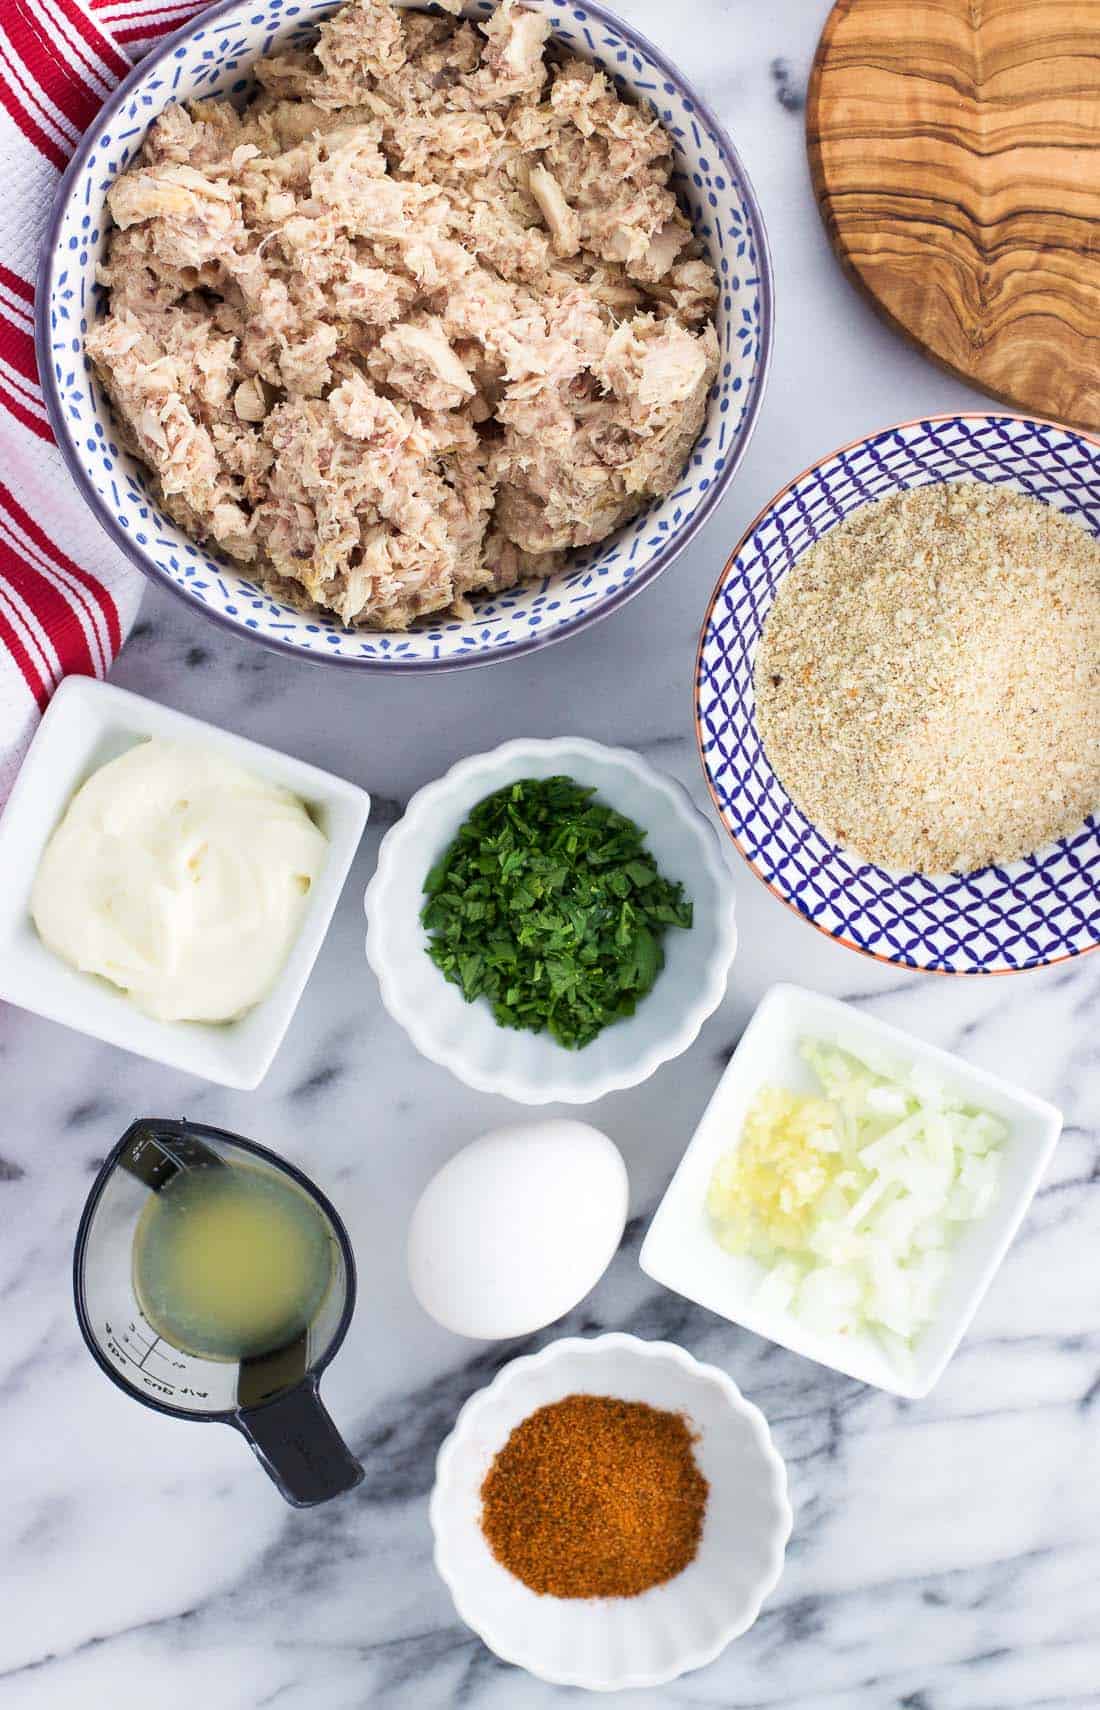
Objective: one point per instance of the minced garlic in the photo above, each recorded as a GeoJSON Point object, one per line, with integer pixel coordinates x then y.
{"type": "Point", "coordinates": [763, 1195]}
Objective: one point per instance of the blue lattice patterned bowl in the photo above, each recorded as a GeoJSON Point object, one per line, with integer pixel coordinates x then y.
{"type": "Point", "coordinates": [212, 57]}
{"type": "Point", "coordinates": [1042, 909]}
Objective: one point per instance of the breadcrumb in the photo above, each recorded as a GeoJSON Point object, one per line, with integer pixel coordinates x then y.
{"type": "Point", "coordinates": [928, 679]}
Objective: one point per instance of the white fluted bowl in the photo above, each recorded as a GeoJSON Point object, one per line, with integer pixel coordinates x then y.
{"type": "Point", "coordinates": [604, 1644]}
{"type": "Point", "coordinates": [533, 1068]}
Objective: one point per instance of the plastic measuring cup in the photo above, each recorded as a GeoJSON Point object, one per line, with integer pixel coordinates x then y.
{"type": "Point", "coordinates": [273, 1399]}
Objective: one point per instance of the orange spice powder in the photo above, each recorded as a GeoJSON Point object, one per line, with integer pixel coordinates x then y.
{"type": "Point", "coordinates": [595, 1497]}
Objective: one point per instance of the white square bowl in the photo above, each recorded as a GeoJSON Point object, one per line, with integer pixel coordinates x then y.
{"type": "Point", "coordinates": [681, 1252]}
{"type": "Point", "coordinates": [86, 724]}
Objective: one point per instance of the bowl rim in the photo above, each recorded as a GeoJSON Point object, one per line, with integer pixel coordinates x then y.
{"type": "Point", "coordinates": [639, 1348]}
{"type": "Point", "coordinates": [521, 1088]}
{"type": "Point", "coordinates": [398, 664]}
{"type": "Point", "coordinates": [931, 418]}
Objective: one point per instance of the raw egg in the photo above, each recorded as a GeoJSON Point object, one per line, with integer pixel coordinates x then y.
{"type": "Point", "coordinates": [517, 1227]}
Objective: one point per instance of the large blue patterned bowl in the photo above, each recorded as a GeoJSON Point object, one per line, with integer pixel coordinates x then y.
{"type": "Point", "coordinates": [999, 920]}
{"type": "Point", "coordinates": [212, 57]}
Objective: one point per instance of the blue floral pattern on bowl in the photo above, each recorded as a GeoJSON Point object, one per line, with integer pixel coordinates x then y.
{"type": "Point", "coordinates": [213, 58]}
{"type": "Point", "coordinates": [998, 920]}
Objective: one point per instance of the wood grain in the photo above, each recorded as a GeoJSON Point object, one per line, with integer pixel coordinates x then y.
{"type": "Point", "coordinates": [955, 152]}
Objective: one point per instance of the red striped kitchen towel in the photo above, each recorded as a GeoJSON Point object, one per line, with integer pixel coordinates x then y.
{"type": "Point", "coordinates": [67, 597]}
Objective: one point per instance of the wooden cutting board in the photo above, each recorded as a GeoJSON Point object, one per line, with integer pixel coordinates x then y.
{"type": "Point", "coordinates": [955, 153]}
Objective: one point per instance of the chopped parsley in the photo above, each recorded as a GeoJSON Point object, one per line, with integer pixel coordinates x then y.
{"type": "Point", "coordinates": [549, 905]}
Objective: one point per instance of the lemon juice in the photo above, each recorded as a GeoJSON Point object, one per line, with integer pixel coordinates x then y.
{"type": "Point", "coordinates": [230, 1261]}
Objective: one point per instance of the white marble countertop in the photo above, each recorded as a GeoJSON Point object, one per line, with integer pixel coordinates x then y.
{"type": "Point", "coordinates": [946, 1554]}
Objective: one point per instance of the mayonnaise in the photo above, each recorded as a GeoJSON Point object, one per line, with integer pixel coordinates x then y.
{"type": "Point", "coordinates": [179, 877]}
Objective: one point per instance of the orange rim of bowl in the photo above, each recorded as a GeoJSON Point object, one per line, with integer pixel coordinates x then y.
{"type": "Point", "coordinates": [800, 914]}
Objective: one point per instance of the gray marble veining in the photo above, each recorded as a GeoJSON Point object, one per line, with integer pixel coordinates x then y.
{"type": "Point", "coordinates": [946, 1554]}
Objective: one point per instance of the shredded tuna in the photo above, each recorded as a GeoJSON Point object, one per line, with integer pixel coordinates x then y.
{"type": "Point", "coordinates": [419, 320]}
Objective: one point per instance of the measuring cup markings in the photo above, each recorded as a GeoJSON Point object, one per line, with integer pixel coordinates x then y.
{"type": "Point", "coordinates": [114, 1345]}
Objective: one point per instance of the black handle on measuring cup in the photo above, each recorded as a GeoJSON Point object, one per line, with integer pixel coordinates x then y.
{"type": "Point", "coordinates": [299, 1447]}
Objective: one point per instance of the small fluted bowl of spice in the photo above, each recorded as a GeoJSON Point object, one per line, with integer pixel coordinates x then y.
{"type": "Point", "coordinates": [609, 1513]}
{"type": "Point", "coordinates": [552, 920]}
{"type": "Point", "coordinates": [898, 694]}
